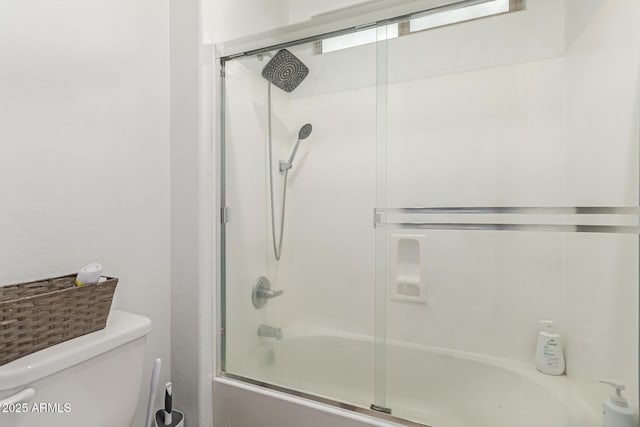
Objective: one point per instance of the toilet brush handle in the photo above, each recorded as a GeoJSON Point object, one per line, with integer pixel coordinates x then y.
{"type": "Point", "coordinates": [155, 379]}
{"type": "Point", "coordinates": [168, 398]}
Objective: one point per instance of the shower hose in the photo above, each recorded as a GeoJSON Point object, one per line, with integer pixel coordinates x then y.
{"type": "Point", "coordinates": [277, 247]}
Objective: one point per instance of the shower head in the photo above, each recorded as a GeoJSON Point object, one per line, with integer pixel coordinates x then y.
{"type": "Point", "coordinates": [305, 131]}
{"type": "Point", "coordinates": [285, 71]}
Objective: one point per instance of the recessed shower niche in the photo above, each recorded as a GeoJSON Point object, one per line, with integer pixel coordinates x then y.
{"type": "Point", "coordinates": [408, 255]}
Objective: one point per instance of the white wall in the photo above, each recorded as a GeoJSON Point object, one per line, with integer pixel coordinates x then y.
{"type": "Point", "coordinates": [84, 151]}
{"type": "Point", "coordinates": [195, 25]}
{"type": "Point", "coordinates": [225, 20]}
{"type": "Point", "coordinates": [192, 215]}
{"type": "Point", "coordinates": [538, 108]}
{"type": "Point", "coordinates": [303, 10]}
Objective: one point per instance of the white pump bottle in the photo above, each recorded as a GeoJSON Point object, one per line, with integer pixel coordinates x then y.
{"type": "Point", "coordinates": [616, 410]}
{"type": "Point", "coordinates": [549, 352]}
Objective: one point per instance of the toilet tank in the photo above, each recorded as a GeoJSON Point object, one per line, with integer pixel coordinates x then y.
{"type": "Point", "coordinates": [90, 381]}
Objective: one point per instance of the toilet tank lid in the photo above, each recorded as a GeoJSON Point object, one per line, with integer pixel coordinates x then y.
{"type": "Point", "coordinates": [122, 328]}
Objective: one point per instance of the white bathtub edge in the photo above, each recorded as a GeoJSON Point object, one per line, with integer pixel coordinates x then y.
{"type": "Point", "coordinates": [344, 413]}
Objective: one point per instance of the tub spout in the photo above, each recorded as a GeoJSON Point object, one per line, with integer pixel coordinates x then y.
{"type": "Point", "coordinates": [267, 331]}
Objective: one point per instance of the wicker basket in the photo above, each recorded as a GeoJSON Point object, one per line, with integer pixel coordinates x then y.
{"type": "Point", "coordinates": [37, 315]}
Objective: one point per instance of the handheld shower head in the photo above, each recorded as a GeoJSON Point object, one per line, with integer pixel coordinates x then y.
{"type": "Point", "coordinates": [305, 131]}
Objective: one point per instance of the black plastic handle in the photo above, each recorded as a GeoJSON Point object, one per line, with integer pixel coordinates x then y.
{"type": "Point", "coordinates": [167, 401]}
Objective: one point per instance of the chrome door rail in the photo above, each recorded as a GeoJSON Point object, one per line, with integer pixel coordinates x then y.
{"type": "Point", "coordinates": [403, 19]}
{"type": "Point", "coordinates": [630, 225]}
{"type": "Point", "coordinates": [534, 210]}
{"type": "Point", "coordinates": [616, 229]}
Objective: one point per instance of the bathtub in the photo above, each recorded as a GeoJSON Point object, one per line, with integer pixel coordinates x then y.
{"type": "Point", "coordinates": [432, 386]}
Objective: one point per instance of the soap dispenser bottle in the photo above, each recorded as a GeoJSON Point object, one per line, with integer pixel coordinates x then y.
{"type": "Point", "coordinates": [549, 352]}
{"type": "Point", "coordinates": [616, 410]}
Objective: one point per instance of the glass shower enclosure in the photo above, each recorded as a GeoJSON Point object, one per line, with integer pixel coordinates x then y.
{"type": "Point", "coordinates": [405, 202]}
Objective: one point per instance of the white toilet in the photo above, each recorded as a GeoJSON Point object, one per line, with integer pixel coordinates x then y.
{"type": "Point", "coordinates": [90, 381]}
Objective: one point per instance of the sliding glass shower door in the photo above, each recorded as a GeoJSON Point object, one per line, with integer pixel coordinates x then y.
{"type": "Point", "coordinates": [508, 176]}
{"type": "Point", "coordinates": [314, 337]}
{"type": "Point", "coordinates": [441, 183]}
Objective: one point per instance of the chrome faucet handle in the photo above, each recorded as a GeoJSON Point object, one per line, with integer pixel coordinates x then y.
{"type": "Point", "coordinates": [268, 294]}
{"type": "Point", "coordinates": [262, 293]}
